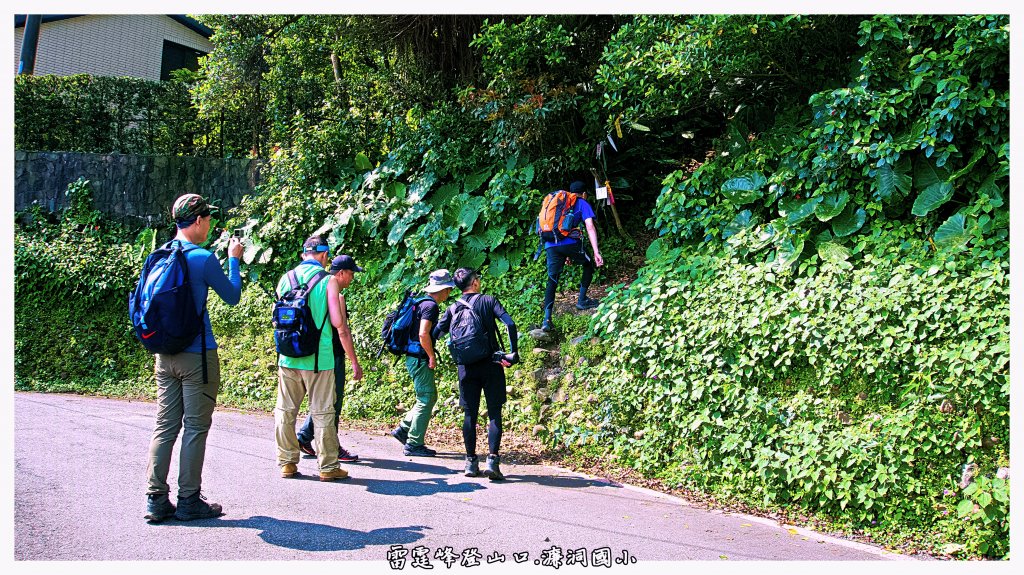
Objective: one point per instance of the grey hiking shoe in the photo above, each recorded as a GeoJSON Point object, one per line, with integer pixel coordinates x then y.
{"type": "Point", "coordinates": [587, 303]}
{"type": "Point", "coordinates": [418, 451]}
{"type": "Point", "coordinates": [493, 471]}
{"type": "Point", "coordinates": [195, 507]}
{"type": "Point", "coordinates": [400, 434]}
{"type": "Point", "coordinates": [158, 507]}
{"type": "Point", "coordinates": [472, 466]}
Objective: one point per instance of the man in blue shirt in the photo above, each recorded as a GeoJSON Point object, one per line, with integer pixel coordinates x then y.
{"type": "Point", "coordinates": [571, 248]}
{"type": "Point", "coordinates": [187, 382]}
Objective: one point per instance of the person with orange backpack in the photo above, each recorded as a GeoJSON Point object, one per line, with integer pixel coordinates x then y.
{"type": "Point", "coordinates": [558, 225]}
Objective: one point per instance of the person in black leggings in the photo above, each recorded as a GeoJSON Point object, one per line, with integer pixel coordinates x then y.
{"type": "Point", "coordinates": [484, 376]}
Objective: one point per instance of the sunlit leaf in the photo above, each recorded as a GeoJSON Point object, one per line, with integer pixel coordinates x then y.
{"type": "Point", "coordinates": [848, 222]}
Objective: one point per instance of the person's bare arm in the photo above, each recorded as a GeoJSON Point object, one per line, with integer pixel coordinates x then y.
{"type": "Point", "coordinates": [345, 335]}
{"type": "Point", "coordinates": [592, 234]}
{"type": "Point", "coordinates": [427, 343]}
{"type": "Point", "coordinates": [333, 306]}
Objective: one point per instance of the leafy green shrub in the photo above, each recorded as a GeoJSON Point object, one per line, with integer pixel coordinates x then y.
{"type": "Point", "coordinates": [724, 376]}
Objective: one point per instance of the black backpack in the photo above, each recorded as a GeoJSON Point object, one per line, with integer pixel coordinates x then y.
{"type": "Point", "coordinates": [398, 331]}
{"type": "Point", "coordinates": [162, 307]}
{"type": "Point", "coordinates": [295, 332]}
{"type": "Point", "coordinates": [467, 338]}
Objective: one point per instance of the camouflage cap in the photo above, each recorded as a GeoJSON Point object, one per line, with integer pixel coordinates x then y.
{"type": "Point", "coordinates": [189, 206]}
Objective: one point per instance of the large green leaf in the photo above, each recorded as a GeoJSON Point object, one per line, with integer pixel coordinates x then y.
{"type": "Point", "coordinates": [926, 173]}
{"type": "Point", "coordinates": [654, 250]}
{"type": "Point", "coordinates": [932, 197]}
{"type": "Point", "coordinates": [831, 206]}
{"type": "Point", "coordinates": [494, 236]}
{"type": "Point", "coordinates": [978, 154]}
{"type": "Point", "coordinates": [443, 195]}
{"type": "Point", "coordinates": [994, 192]}
{"type": "Point", "coordinates": [472, 259]}
{"type": "Point", "coordinates": [470, 212]}
{"type": "Point", "coordinates": [739, 223]}
{"type": "Point", "coordinates": [788, 205]}
{"type": "Point", "coordinates": [475, 243]}
{"type": "Point", "coordinates": [498, 265]}
{"type": "Point", "coordinates": [398, 230]}
{"type": "Point", "coordinates": [848, 222]}
{"type": "Point", "coordinates": [362, 162]}
{"type": "Point", "coordinates": [421, 186]}
{"type": "Point", "coordinates": [396, 190]}
{"type": "Point", "coordinates": [953, 232]}
{"type": "Point", "coordinates": [803, 211]}
{"type": "Point", "coordinates": [891, 179]}
{"type": "Point", "coordinates": [744, 189]}
{"type": "Point", "coordinates": [788, 253]}
{"type": "Point", "coordinates": [473, 181]}
{"type": "Point", "coordinates": [526, 175]}
{"type": "Point", "coordinates": [762, 236]}
{"type": "Point", "coordinates": [833, 252]}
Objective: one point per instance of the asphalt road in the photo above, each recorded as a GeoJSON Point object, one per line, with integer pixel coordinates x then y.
{"type": "Point", "coordinates": [80, 480]}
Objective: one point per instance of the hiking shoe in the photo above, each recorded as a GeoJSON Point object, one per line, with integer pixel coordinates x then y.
{"type": "Point", "coordinates": [345, 456]}
{"type": "Point", "coordinates": [333, 474]}
{"type": "Point", "coordinates": [418, 451]}
{"type": "Point", "coordinates": [289, 470]}
{"type": "Point", "coordinates": [493, 471]}
{"type": "Point", "coordinates": [587, 303]}
{"type": "Point", "coordinates": [158, 507]}
{"type": "Point", "coordinates": [546, 326]}
{"type": "Point", "coordinates": [401, 434]}
{"type": "Point", "coordinates": [307, 447]}
{"type": "Point", "coordinates": [472, 466]}
{"type": "Point", "coordinates": [195, 507]}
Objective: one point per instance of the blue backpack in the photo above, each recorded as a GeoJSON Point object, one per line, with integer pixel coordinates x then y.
{"type": "Point", "coordinates": [162, 308]}
{"type": "Point", "coordinates": [296, 333]}
{"type": "Point", "coordinates": [397, 332]}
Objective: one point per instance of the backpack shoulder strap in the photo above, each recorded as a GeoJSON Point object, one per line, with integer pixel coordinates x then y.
{"type": "Point", "coordinates": [317, 278]}
{"type": "Point", "coordinates": [293, 281]}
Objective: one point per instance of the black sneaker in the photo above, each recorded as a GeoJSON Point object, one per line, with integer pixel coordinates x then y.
{"type": "Point", "coordinates": [587, 303]}
{"type": "Point", "coordinates": [345, 456]}
{"type": "Point", "coordinates": [195, 507]}
{"type": "Point", "coordinates": [401, 434]}
{"type": "Point", "coordinates": [493, 471]}
{"type": "Point", "coordinates": [158, 508]}
{"type": "Point", "coordinates": [547, 326]}
{"type": "Point", "coordinates": [472, 466]}
{"type": "Point", "coordinates": [418, 451]}
{"type": "Point", "coordinates": [307, 447]}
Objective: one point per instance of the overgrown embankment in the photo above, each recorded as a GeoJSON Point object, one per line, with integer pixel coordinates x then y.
{"type": "Point", "coordinates": [821, 327]}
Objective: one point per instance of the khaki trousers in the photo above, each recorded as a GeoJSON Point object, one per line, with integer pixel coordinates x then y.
{"type": "Point", "coordinates": [292, 386]}
{"type": "Point", "coordinates": [183, 400]}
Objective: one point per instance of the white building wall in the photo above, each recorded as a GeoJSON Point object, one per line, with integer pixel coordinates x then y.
{"type": "Point", "coordinates": [107, 45]}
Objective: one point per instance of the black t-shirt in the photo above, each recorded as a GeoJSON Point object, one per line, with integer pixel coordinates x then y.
{"type": "Point", "coordinates": [425, 310]}
{"type": "Point", "coordinates": [488, 309]}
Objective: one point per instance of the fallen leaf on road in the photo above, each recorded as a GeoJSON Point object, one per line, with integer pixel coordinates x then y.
{"type": "Point", "coordinates": [793, 531]}
{"type": "Point", "coordinates": [723, 557]}
{"type": "Point", "coordinates": [747, 525]}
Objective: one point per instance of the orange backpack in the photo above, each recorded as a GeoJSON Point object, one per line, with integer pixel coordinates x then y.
{"type": "Point", "coordinates": [556, 221]}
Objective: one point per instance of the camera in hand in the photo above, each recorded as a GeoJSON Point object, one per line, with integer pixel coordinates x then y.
{"type": "Point", "coordinates": [498, 356]}
{"type": "Point", "coordinates": [237, 233]}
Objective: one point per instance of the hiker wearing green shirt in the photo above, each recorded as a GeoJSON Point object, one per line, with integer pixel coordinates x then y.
{"type": "Point", "coordinates": [313, 374]}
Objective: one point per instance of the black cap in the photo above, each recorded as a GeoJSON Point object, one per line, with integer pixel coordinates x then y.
{"type": "Point", "coordinates": [344, 262]}
{"type": "Point", "coordinates": [577, 187]}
